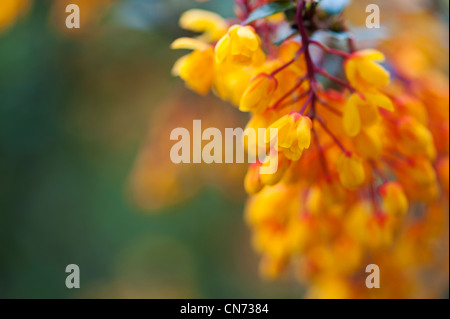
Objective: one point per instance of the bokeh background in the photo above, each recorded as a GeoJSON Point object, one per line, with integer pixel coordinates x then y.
{"type": "Point", "coordinates": [85, 174]}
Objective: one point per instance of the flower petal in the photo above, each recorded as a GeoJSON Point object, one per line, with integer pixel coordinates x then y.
{"type": "Point", "coordinates": [351, 118]}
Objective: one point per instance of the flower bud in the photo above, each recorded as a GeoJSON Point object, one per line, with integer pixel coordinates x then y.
{"type": "Point", "coordinates": [394, 199]}
{"type": "Point", "coordinates": [258, 95]}
{"type": "Point", "coordinates": [351, 171]}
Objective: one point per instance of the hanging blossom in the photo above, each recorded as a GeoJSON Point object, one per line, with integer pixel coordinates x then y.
{"type": "Point", "coordinates": [354, 159]}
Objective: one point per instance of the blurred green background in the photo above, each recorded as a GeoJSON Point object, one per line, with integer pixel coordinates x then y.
{"type": "Point", "coordinates": [74, 112]}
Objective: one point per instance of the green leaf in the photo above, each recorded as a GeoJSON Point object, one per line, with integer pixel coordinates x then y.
{"type": "Point", "coordinates": [269, 10]}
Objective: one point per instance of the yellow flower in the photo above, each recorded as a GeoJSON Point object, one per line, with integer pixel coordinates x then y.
{"type": "Point", "coordinates": [252, 181]}
{"type": "Point", "coordinates": [279, 232]}
{"type": "Point", "coordinates": [304, 133]}
{"type": "Point", "coordinates": [416, 139]}
{"type": "Point", "coordinates": [258, 95]}
{"type": "Point", "coordinates": [357, 219]}
{"type": "Point", "coordinates": [254, 140]}
{"type": "Point", "coordinates": [283, 164]}
{"type": "Point", "coordinates": [394, 199]}
{"type": "Point", "coordinates": [359, 112]}
{"type": "Point", "coordinates": [325, 199]}
{"type": "Point", "coordinates": [288, 51]}
{"type": "Point", "coordinates": [380, 230]}
{"type": "Point", "coordinates": [351, 171]}
{"type": "Point", "coordinates": [293, 135]}
{"type": "Point", "coordinates": [371, 228]}
{"type": "Point", "coordinates": [330, 287]}
{"type": "Point", "coordinates": [323, 211]}
{"type": "Point", "coordinates": [241, 45]}
{"type": "Point", "coordinates": [272, 203]}
{"type": "Point", "coordinates": [197, 68]}
{"type": "Point", "coordinates": [230, 82]}
{"type": "Point", "coordinates": [419, 178]}
{"type": "Point", "coordinates": [271, 268]}
{"type": "Point", "coordinates": [211, 24]}
{"type": "Point", "coordinates": [363, 71]}
{"type": "Point", "coordinates": [368, 143]}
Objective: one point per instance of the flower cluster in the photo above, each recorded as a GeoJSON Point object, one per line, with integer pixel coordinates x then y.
{"type": "Point", "coordinates": [359, 150]}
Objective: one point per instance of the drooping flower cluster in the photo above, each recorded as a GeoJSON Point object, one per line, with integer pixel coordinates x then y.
{"type": "Point", "coordinates": [358, 150]}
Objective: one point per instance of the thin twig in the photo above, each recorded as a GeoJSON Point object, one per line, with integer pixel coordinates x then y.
{"type": "Point", "coordinates": [335, 139]}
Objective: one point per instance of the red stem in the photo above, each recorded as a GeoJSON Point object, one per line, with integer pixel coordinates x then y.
{"type": "Point", "coordinates": [308, 101]}
{"type": "Point", "coordinates": [329, 107]}
{"type": "Point", "coordinates": [335, 79]}
{"type": "Point", "coordinates": [322, 157]}
{"type": "Point", "coordinates": [380, 173]}
{"type": "Point", "coordinates": [335, 139]}
{"type": "Point", "coordinates": [330, 50]}
{"type": "Point", "coordinates": [298, 98]}
{"type": "Point", "coordinates": [246, 7]}
{"type": "Point", "coordinates": [284, 66]}
{"type": "Point", "coordinates": [309, 62]}
{"type": "Point", "coordinates": [376, 205]}
{"type": "Point", "coordinates": [351, 45]}
{"type": "Point", "coordinates": [284, 97]}
{"type": "Point", "coordinates": [305, 42]}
